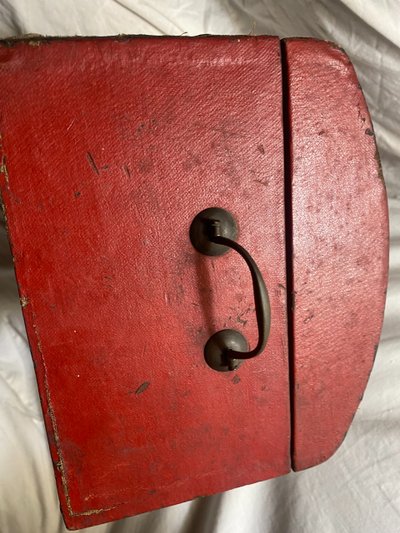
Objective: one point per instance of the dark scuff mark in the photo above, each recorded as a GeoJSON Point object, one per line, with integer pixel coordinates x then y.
{"type": "Point", "coordinates": [236, 379]}
{"type": "Point", "coordinates": [309, 317]}
{"type": "Point", "coordinates": [240, 318]}
{"type": "Point", "coordinates": [261, 149]}
{"type": "Point", "coordinates": [140, 128]}
{"type": "Point", "coordinates": [144, 386]}
{"type": "Point", "coordinates": [360, 116]}
{"type": "Point", "coordinates": [77, 194]}
{"type": "Point", "coordinates": [261, 182]}
{"type": "Point", "coordinates": [375, 352]}
{"type": "Point", "coordinates": [92, 163]}
{"type": "Point", "coordinates": [368, 131]}
{"type": "Point", "coordinates": [127, 171]}
{"type": "Point", "coordinates": [379, 165]}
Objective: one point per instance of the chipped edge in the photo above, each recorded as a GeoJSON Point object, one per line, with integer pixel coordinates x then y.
{"type": "Point", "coordinates": [3, 164]}
{"type": "Point", "coordinates": [24, 301]}
{"type": "Point", "coordinates": [60, 463]}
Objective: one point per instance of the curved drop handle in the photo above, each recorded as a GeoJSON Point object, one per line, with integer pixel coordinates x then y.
{"type": "Point", "coordinates": [213, 232]}
{"type": "Point", "coordinates": [261, 299]}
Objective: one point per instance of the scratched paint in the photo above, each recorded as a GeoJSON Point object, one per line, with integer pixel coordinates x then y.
{"type": "Point", "coordinates": [340, 246]}
{"type": "Point", "coordinates": [121, 305]}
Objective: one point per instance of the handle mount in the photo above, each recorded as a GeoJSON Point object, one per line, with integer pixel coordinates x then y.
{"type": "Point", "coordinates": [214, 232]}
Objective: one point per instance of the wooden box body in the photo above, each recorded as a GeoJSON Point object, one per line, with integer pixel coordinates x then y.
{"type": "Point", "coordinates": [109, 148]}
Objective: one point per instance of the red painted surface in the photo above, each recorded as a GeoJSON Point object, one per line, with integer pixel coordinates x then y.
{"type": "Point", "coordinates": [340, 246]}
{"type": "Point", "coordinates": [110, 147]}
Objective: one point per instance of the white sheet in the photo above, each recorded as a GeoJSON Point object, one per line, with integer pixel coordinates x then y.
{"type": "Point", "coordinates": [358, 490]}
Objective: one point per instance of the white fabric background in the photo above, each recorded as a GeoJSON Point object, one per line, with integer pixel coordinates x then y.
{"type": "Point", "coordinates": [358, 490]}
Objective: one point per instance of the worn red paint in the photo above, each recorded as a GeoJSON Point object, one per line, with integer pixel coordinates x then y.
{"type": "Point", "coordinates": [340, 246]}
{"type": "Point", "coordinates": [149, 132]}
{"type": "Point", "coordinates": [109, 149]}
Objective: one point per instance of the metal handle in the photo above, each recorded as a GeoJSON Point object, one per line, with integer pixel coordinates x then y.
{"type": "Point", "coordinates": [213, 232]}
